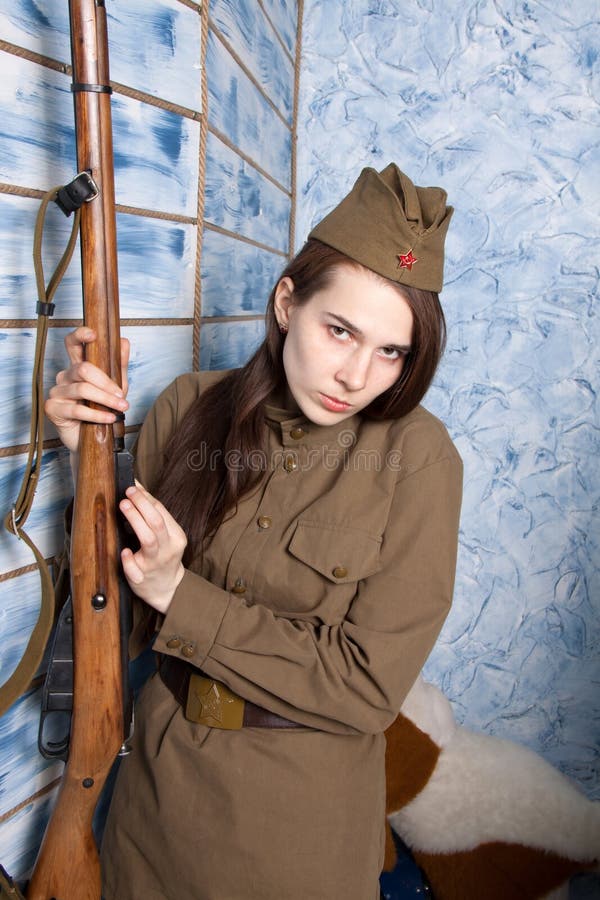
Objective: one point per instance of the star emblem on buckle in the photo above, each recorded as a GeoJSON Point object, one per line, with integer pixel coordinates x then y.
{"type": "Point", "coordinates": [211, 702]}
{"type": "Point", "coordinates": [407, 260]}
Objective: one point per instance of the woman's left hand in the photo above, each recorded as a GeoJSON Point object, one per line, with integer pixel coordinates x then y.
{"type": "Point", "coordinates": [155, 570]}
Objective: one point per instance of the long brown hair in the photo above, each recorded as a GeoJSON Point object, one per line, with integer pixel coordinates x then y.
{"type": "Point", "coordinates": [228, 418]}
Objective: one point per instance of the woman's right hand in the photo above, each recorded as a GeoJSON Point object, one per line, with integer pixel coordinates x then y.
{"type": "Point", "coordinates": [65, 406]}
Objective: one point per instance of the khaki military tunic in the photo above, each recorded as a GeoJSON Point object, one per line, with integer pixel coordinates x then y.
{"type": "Point", "coordinates": [319, 600]}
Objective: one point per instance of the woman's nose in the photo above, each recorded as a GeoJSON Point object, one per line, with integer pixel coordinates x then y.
{"type": "Point", "coordinates": [355, 371]}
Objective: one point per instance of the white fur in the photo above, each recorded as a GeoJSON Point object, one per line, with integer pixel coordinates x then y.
{"type": "Point", "coordinates": [430, 710]}
{"type": "Point", "coordinates": [488, 789]}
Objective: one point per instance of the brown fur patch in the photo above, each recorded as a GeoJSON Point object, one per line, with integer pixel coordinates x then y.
{"type": "Point", "coordinates": [497, 871]}
{"type": "Point", "coordinates": [410, 758]}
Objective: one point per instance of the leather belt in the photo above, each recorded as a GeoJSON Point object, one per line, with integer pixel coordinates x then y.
{"type": "Point", "coordinates": [209, 702]}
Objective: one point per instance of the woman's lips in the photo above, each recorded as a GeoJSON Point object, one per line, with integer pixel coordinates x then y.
{"type": "Point", "coordinates": [332, 404]}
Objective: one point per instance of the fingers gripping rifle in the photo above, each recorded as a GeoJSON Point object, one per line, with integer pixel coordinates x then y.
{"type": "Point", "coordinates": [67, 867]}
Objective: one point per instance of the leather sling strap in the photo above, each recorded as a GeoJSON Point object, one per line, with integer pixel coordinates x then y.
{"type": "Point", "coordinates": [20, 679]}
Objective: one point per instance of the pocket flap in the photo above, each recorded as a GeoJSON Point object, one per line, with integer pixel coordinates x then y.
{"type": "Point", "coordinates": [339, 553]}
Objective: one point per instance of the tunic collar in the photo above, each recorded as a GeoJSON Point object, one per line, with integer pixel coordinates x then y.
{"type": "Point", "coordinates": [293, 429]}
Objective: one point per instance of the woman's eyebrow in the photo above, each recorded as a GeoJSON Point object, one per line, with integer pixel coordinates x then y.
{"type": "Point", "coordinates": [402, 348]}
{"type": "Point", "coordinates": [345, 323]}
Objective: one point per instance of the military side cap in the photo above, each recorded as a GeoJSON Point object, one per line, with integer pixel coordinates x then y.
{"type": "Point", "coordinates": [391, 226]}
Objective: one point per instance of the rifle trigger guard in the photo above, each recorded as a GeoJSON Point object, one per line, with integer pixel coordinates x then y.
{"type": "Point", "coordinates": [57, 692]}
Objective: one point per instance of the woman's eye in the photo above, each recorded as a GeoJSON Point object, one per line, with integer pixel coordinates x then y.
{"type": "Point", "coordinates": [390, 352]}
{"type": "Point", "coordinates": [339, 332]}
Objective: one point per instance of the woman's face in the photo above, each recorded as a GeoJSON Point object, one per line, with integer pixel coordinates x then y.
{"type": "Point", "coordinates": [344, 346]}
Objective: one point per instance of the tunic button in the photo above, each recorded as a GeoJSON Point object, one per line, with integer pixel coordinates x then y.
{"type": "Point", "coordinates": [187, 650]}
{"type": "Point", "coordinates": [340, 572]}
{"type": "Point", "coordinates": [239, 587]}
{"type": "Point", "coordinates": [173, 643]}
{"type": "Point", "coordinates": [264, 521]}
{"type": "Point", "coordinates": [297, 433]}
{"type": "Point", "coordinates": [290, 463]}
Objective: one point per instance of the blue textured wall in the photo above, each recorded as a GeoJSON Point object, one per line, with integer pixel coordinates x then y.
{"type": "Point", "coordinates": [498, 102]}
{"type": "Point", "coordinates": [228, 203]}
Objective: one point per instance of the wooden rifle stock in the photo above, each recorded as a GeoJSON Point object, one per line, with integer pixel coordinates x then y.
{"type": "Point", "coordinates": [67, 867]}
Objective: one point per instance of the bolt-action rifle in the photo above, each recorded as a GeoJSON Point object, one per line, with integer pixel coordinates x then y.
{"type": "Point", "coordinates": [67, 867]}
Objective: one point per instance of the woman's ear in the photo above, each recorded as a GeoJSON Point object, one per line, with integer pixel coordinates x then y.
{"type": "Point", "coordinates": [284, 298]}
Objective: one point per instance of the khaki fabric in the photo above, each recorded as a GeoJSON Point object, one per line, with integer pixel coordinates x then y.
{"type": "Point", "coordinates": [392, 226]}
{"type": "Point", "coordinates": [347, 553]}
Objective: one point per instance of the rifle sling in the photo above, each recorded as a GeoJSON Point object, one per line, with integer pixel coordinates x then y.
{"type": "Point", "coordinates": [30, 662]}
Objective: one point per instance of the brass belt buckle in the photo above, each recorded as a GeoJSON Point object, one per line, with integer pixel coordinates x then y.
{"type": "Point", "coordinates": [211, 703]}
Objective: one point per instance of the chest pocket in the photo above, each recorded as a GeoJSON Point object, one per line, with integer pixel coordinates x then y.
{"type": "Point", "coordinates": [334, 559]}
{"type": "Point", "coordinates": [340, 554]}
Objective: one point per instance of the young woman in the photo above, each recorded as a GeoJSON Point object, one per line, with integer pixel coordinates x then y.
{"type": "Point", "coordinates": [297, 521]}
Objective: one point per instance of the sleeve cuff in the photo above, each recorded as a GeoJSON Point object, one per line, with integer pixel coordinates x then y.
{"type": "Point", "coordinates": [193, 619]}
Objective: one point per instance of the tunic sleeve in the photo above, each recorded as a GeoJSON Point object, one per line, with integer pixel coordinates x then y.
{"type": "Point", "coordinates": [350, 677]}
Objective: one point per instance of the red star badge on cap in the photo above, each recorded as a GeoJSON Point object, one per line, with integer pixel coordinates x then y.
{"type": "Point", "coordinates": [406, 260]}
